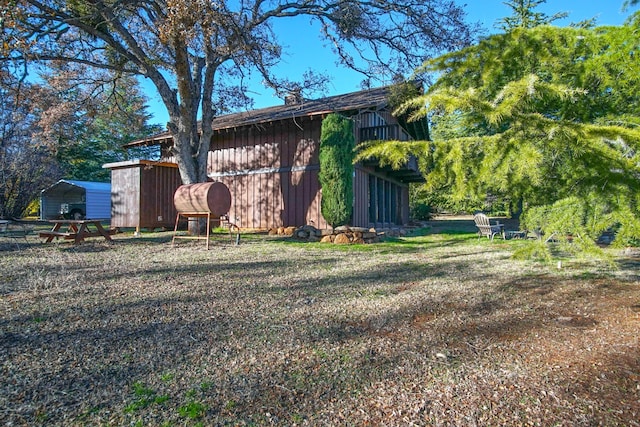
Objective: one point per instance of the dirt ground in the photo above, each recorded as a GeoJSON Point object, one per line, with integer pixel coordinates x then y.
{"type": "Point", "coordinates": [442, 329]}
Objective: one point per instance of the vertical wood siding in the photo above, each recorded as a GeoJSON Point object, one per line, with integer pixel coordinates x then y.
{"type": "Point", "coordinates": [142, 195]}
{"type": "Point", "coordinates": [271, 171]}
{"type": "Point", "coordinates": [125, 197]}
{"type": "Point", "coordinates": [272, 168]}
{"type": "Point", "coordinates": [361, 198]}
{"type": "Point", "coordinates": [158, 185]}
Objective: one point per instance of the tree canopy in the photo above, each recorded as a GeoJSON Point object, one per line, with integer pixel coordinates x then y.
{"type": "Point", "coordinates": [60, 128]}
{"type": "Point", "coordinates": [539, 115]}
{"type": "Point", "coordinates": [525, 16]}
{"type": "Point", "coordinates": [25, 167]}
{"type": "Point", "coordinates": [191, 49]}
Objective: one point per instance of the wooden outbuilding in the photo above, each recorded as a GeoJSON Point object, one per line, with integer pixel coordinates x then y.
{"type": "Point", "coordinates": [142, 194]}
{"type": "Point", "coordinates": [268, 158]}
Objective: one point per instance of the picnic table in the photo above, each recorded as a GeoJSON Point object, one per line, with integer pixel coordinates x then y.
{"type": "Point", "coordinates": [76, 230]}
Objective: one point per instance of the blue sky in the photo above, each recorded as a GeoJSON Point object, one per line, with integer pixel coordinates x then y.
{"type": "Point", "coordinates": [304, 50]}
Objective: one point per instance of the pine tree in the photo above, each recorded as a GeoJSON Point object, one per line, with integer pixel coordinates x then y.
{"type": "Point", "coordinates": [542, 116]}
{"type": "Point", "coordinates": [524, 15]}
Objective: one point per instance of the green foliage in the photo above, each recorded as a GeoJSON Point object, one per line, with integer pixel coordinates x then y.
{"type": "Point", "coordinates": [535, 250]}
{"type": "Point", "coordinates": [192, 410]}
{"type": "Point", "coordinates": [584, 219]}
{"type": "Point", "coordinates": [144, 397]}
{"type": "Point", "coordinates": [575, 223]}
{"type": "Point", "coordinates": [538, 116]}
{"type": "Point", "coordinates": [401, 93]}
{"type": "Point", "coordinates": [524, 15]}
{"type": "Point", "coordinates": [116, 118]}
{"type": "Point", "coordinates": [600, 61]}
{"type": "Point", "coordinates": [336, 169]}
{"type": "Point", "coordinates": [627, 225]}
{"type": "Point", "coordinates": [420, 210]}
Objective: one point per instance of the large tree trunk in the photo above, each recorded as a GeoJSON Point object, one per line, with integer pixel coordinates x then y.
{"type": "Point", "coordinates": [191, 144]}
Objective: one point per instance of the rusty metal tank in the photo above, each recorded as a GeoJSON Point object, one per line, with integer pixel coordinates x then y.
{"type": "Point", "coordinates": [204, 197]}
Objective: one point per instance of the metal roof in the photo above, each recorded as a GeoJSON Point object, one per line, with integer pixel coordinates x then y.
{"type": "Point", "coordinates": [99, 187]}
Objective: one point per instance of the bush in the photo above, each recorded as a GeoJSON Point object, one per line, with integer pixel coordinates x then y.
{"type": "Point", "coordinates": [420, 211]}
{"type": "Point", "coordinates": [336, 169]}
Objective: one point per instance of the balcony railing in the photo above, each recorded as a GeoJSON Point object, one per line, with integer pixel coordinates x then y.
{"type": "Point", "coordinates": [410, 172]}
{"type": "Point", "coordinates": [376, 133]}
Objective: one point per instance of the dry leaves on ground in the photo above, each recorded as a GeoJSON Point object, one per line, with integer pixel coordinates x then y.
{"type": "Point", "coordinates": [425, 331]}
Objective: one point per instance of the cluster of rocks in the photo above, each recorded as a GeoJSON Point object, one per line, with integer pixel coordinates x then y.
{"type": "Point", "coordinates": [339, 235]}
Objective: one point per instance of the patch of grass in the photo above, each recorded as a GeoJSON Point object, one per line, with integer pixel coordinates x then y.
{"type": "Point", "coordinates": [206, 386]}
{"type": "Point", "coordinates": [85, 416]}
{"type": "Point", "coordinates": [230, 405]}
{"type": "Point", "coordinates": [144, 397]}
{"type": "Point", "coordinates": [41, 416]}
{"type": "Point", "coordinates": [167, 377]}
{"type": "Point", "coordinates": [192, 410]}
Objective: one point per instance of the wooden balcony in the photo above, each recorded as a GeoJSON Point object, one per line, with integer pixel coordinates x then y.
{"type": "Point", "coordinates": [410, 171]}
{"type": "Point", "coordinates": [384, 133]}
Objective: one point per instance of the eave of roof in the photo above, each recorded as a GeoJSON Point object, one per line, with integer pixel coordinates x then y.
{"type": "Point", "coordinates": [365, 99]}
{"type": "Point", "coordinates": [373, 99]}
{"type": "Point", "coordinates": [101, 187]}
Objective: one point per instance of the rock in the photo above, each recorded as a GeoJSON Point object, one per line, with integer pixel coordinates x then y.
{"type": "Point", "coordinates": [341, 238]}
{"type": "Point", "coordinates": [309, 229]}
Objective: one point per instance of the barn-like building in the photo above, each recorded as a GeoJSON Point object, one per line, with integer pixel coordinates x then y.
{"type": "Point", "coordinates": [269, 160]}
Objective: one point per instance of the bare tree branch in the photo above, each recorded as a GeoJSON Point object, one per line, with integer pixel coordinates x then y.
{"type": "Point", "coordinates": [185, 46]}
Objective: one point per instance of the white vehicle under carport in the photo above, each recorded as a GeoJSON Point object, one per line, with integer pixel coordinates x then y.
{"type": "Point", "coordinates": [71, 199]}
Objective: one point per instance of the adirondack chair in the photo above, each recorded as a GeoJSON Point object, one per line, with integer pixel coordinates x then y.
{"type": "Point", "coordinates": [486, 229]}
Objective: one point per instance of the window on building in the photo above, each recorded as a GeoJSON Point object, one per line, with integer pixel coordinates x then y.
{"type": "Point", "coordinates": [384, 201]}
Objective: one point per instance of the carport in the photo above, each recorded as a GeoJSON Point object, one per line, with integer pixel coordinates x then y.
{"type": "Point", "coordinates": [82, 199]}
